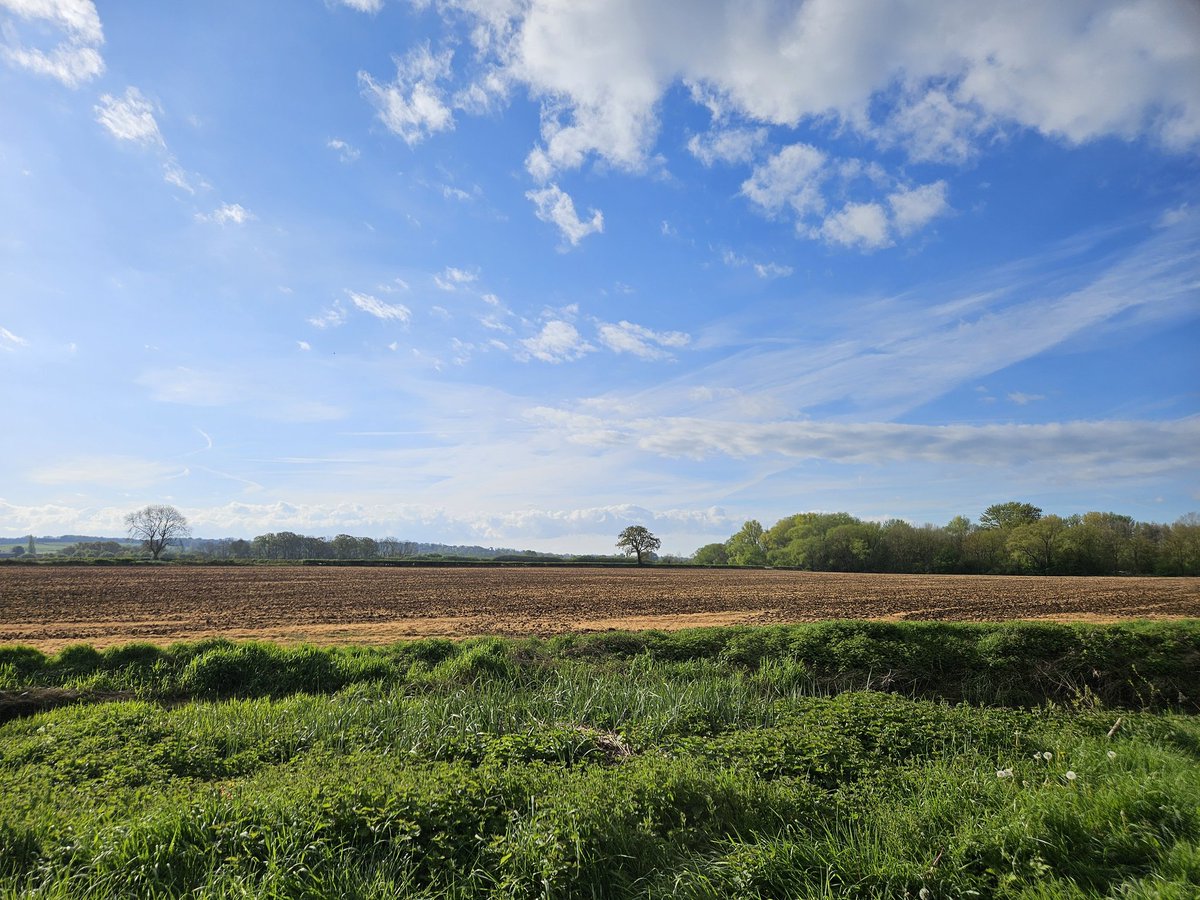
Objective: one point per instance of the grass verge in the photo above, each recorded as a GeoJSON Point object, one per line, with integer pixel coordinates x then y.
{"type": "Point", "coordinates": [837, 760]}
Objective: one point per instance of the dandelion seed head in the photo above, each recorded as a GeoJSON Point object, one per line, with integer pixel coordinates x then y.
{"type": "Point", "coordinates": [1112, 754]}
{"type": "Point", "coordinates": [1070, 775]}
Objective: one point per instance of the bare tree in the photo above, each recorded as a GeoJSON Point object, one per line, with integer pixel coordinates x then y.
{"type": "Point", "coordinates": [636, 539]}
{"type": "Point", "coordinates": [156, 526]}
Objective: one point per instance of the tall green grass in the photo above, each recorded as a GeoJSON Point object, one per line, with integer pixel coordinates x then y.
{"type": "Point", "coordinates": [712, 764]}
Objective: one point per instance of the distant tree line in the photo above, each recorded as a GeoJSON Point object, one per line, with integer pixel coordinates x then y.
{"type": "Point", "coordinates": [1010, 538]}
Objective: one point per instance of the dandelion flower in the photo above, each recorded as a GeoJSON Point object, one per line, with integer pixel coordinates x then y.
{"type": "Point", "coordinates": [1070, 775]}
{"type": "Point", "coordinates": [1004, 773]}
{"type": "Point", "coordinates": [1112, 754]}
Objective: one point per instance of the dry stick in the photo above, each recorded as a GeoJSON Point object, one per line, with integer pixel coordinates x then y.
{"type": "Point", "coordinates": [1116, 725]}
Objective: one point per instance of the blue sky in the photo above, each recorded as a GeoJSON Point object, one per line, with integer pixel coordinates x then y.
{"type": "Point", "coordinates": [520, 273]}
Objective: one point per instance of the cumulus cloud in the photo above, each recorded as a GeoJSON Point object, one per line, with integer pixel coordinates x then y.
{"type": "Point", "coordinates": [75, 58]}
{"type": "Point", "coordinates": [914, 208]}
{"type": "Point", "coordinates": [413, 105]}
{"type": "Point", "coordinates": [790, 178]}
{"type": "Point", "coordinates": [730, 145]}
{"type": "Point", "coordinates": [377, 308]}
{"type": "Point", "coordinates": [626, 337]}
{"type": "Point", "coordinates": [555, 206]}
{"type": "Point", "coordinates": [557, 342]}
{"type": "Point", "coordinates": [857, 225]}
{"type": "Point", "coordinates": [939, 80]}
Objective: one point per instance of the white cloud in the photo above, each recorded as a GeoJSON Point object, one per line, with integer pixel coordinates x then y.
{"type": "Point", "coordinates": [129, 118]}
{"type": "Point", "coordinates": [10, 341]}
{"type": "Point", "coordinates": [173, 174]}
{"type": "Point", "coordinates": [557, 342]}
{"type": "Point", "coordinates": [933, 128]}
{"type": "Point", "coordinates": [730, 145]}
{"type": "Point", "coordinates": [413, 105]}
{"type": "Point", "coordinates": [451, 279]}
{"type": "Point", "coordinates": [379, 309]}
{"type": "Point", "coordinates": [227, 214]}
{"type": "Point", "coordinates": [892, 357]}
{"type": "Point", "coordinates": [862, 225]}
{"type": "Point", "coordinates": [346, 152]}
{"type": "Point", "coordinates": [1022, 399]}
{"type": "Point", "coordinates": [1173, 216]}
{"type": "Point", "coordinates": [790, 178]}
{"type": "Point", "coordinates": [555, 206]}
{"type": "Point", "coordinates": [772, 270]}
{"type": "Point", "coordinates": [330, 318]}
{"type": "Point", "coordinates": [76, 58]}
{"type": "Point", "coordinates": [626, 337]}
{"type": "Point", "coordinates": [366, 6]}
{"type": "Point", "coordinates": [1090, 449]}
{"type": "Point", "coordinates": [304, 345]}
{"type": "Point", "coordinates": [915, 208]}
{"type": "Point", "coordinates": [1075, 69]}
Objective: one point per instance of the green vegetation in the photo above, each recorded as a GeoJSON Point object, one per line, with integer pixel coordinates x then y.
{"type": "Point", "coordinates": [1011, 538]}
{"type": "Point", "coordinates": [827, 760]}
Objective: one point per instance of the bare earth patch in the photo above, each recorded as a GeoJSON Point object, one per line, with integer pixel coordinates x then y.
{"type": "Point", "coordinates": [50, 607]}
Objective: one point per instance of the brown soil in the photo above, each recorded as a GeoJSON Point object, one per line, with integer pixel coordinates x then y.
{"type": "Point", "coordinates": [49, 607]}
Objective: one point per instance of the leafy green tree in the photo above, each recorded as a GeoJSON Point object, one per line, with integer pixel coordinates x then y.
{"type": "Point", "coordinates": [1038, 545]}
{"type": "Point", "coordinates": [1009, 515]}
{"type": "Point", "coordinates": [748, 547]}
{"type": "Point", "coordinates": [711, 555]}
{"type": "Point", "coordinates": [636, 540]}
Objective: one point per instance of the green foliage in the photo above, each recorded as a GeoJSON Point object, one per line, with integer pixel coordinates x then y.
{"type": "Point", "coordinates": [680, 769]}
{"type": "Point", "coordinates": [1011, 538]}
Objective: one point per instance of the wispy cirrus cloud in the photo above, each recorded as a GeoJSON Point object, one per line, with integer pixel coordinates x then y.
{"type": "Point", "coordinates": [10, 342]}
{"type": "Point", "coordinates": [637, 340]}
{"type": "Point", "coordinates": [396, 312]}
{"type": "Point", "coordinates": [227, 214]}
{"type": "Point", "coordinates": [129, 118]}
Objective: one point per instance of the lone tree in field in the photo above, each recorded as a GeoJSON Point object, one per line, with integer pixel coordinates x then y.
{"type": "Point", "coordinates": [157, 526]}
{"type": "Point", "coordinates": [637, 540]}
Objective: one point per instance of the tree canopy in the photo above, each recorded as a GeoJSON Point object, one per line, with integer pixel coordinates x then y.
{"type": "Point", "coordinates": [637, 540]}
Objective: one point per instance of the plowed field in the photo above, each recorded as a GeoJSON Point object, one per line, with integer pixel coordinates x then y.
{"type": "Point", "coordinates": [49, 607]}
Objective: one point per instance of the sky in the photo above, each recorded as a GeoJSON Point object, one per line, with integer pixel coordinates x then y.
{"type": "Point", "coordinates": [520, 273]}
